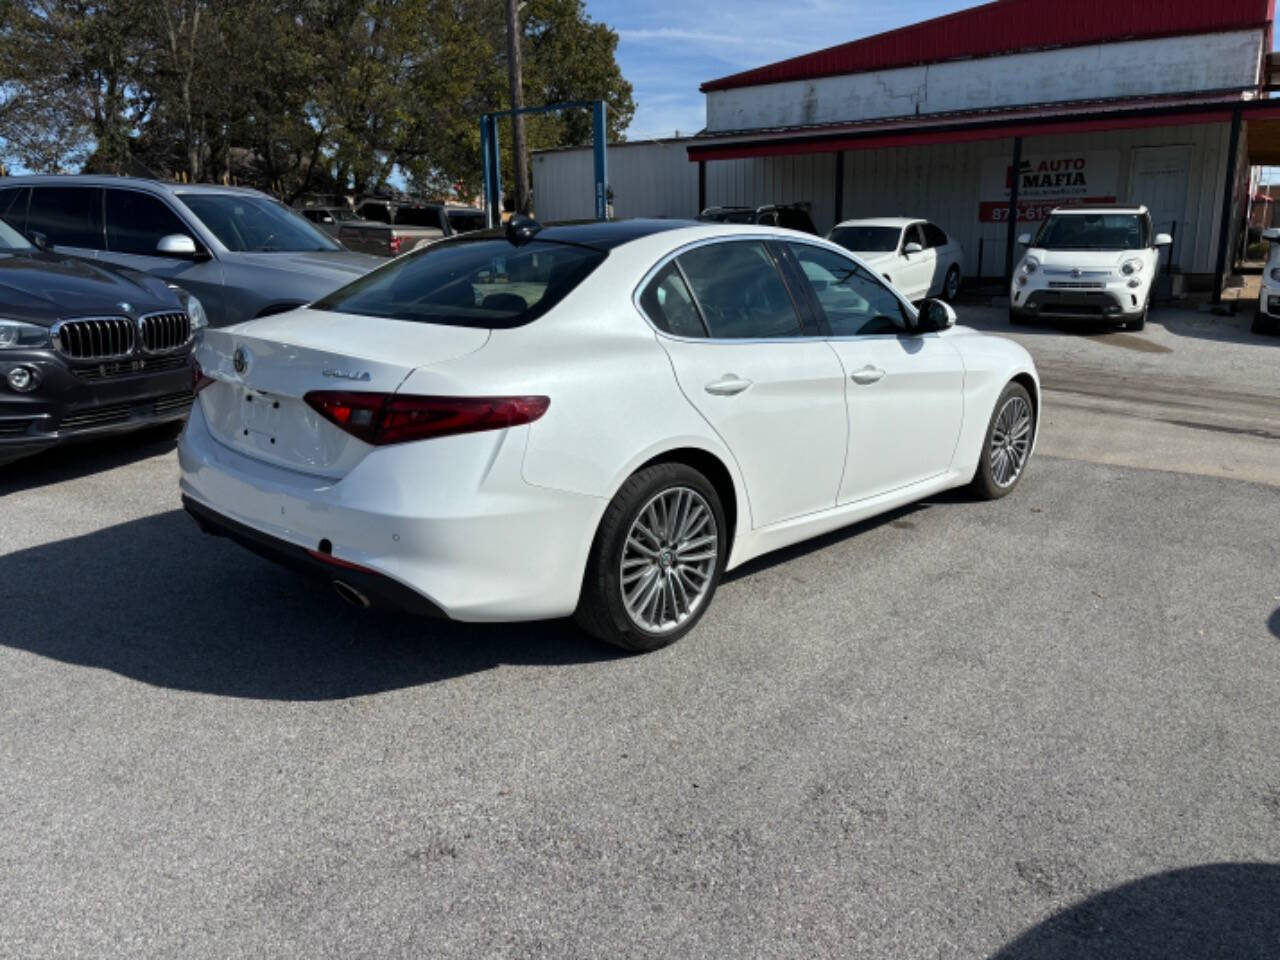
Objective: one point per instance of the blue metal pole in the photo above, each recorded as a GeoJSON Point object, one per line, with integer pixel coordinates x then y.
{"type": "Point", "coordinates": [601, 164]}
{"type": "Point", "coordinates": [495, 174]}
{"type": "Point", "coordinates": [485, 173]}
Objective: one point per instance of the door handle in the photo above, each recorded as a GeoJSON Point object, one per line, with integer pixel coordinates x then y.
{"type": "Point", "coordinates": [867, 374]}
{"type": "Point", "coordinates": [727, 386]}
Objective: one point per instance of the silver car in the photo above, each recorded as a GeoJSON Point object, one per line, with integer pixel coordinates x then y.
{"type": "Point", "coordinates": [242, 253]}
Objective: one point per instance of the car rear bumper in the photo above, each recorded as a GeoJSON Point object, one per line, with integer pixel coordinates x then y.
{"type": "Point", "coordinates": [450, 520]}
{"type": "Point", "coordinates": [88, 400]}
{"type": "Point", "coordinates": [367, 585]}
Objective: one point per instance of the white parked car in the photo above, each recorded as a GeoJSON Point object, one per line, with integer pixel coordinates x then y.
{"type": "Point", "coordinates": [1267, 317]}
{"type": "Point", "coordinates": [1089, 263]}
{"type": "Point", "coordinates": [916, 256]}
{"type": "Point", "coordinates": [597, 419]}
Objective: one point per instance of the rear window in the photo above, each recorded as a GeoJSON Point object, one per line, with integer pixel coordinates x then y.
{"type": "Point", "coordinates": [477, 283]}
{"type": "Point", "coordinates": [464, 221]}
{"type": "Point", "coordinates": [418, 217]}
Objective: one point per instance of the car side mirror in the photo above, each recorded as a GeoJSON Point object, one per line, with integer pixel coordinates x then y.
{"type": "Point", "coordinates": [1024, 240]}
{"type": "Point", "coordinates": [177, 245]}
{"type": "Point", "coordinates": [1164, 240]}
{"type": "Point", "coordinates": [912, 247]}
{"type": "Point", "coordinates": [39, 240]}
{"type": "Point", "coordinates": [934, 315]}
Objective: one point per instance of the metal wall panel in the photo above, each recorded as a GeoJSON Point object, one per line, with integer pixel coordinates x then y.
{"type": "Point", "coordinates": [940, 183]}
{"type": "Point", "coordinates": [943, 183]}
{"type": "Point", "coordinates": [755, 182]}
{"type": "Point", "coordinates": [648, 179]}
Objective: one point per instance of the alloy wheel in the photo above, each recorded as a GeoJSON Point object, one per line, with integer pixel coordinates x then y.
{"type": "Point", "coordinates": [669, 559]}
{"type": "Point", "coordinates": [1010, 441]}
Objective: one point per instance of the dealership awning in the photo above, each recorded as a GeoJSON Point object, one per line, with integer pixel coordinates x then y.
{"type": "Point", "coordinates": [1261, 116]}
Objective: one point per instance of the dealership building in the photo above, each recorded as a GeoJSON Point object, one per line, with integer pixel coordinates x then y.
{"type": "Point", "coordinates": [1165, 104]}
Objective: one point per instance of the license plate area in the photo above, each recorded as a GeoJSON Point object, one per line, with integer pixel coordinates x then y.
{"type": "Point", "coordinates": [261, 418]}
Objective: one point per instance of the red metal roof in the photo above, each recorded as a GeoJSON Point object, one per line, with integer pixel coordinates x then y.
{"type": "Point", "coordinates": [1010, 26]}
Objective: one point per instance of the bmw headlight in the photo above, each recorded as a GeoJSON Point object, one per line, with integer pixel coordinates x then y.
{"type": "Point", "coordinates": [1131, 266]}
{"type": "Point", "coordinates": [16, 335]}
{"type": "Point", "coordinates": [194, 308]}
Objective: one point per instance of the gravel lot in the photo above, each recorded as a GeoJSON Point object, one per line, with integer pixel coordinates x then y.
{"type": "Point", "coordinates": [1042, 727]}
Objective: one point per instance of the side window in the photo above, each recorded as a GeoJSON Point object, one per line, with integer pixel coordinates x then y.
{"type": "Point", "coordinates": [934, 236]}
{"type": "Point", "coordinates": [669, 305]}
{"type": "Point", "coordinates": [13, 207]}
{"type": "Point", "coordinates": [136, 222]}
{"type": "Point", "coordinates": [374, 211]}
{"type": "Point", "coordinates": [66, 216]}
{"type": "Point", "coordinates": [855, 302]}
{"type": "Point", "coordinates": [739, 290]}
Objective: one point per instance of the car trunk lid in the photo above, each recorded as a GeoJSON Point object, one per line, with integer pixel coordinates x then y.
{"type": "Point", "coordinates": [263, 370]}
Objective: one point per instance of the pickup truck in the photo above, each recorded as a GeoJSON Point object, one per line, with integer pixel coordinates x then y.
{"type": "Point", "coordinates": [391, 229]}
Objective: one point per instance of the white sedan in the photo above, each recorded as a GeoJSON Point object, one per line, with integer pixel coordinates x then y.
{"type": "Point", "coordinates": [916, 256]}
{"type": "Point", "coordinates": [594, 419]}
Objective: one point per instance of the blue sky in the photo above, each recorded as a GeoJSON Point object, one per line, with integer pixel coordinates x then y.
{"type": "Point", "coordinates": [668, 47]}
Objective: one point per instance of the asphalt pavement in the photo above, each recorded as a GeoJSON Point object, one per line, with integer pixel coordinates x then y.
{"type": "Point", "coordinates": [1041, 727]}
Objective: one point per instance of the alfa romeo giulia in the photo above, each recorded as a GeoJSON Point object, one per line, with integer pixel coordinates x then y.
{"type": "Point", "coordinates": [593, 419]}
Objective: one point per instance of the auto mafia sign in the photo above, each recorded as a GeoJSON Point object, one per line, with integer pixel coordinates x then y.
{"type": "Point", "coordinates": [1048, 181]}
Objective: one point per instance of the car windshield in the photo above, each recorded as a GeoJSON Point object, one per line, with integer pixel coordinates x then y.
{"type": "Point", "coordinates": [11, 239]}
{"type": "Point", "coordinates": [1091, 231]}
{"type": "Point", "coordinates": [464, 221]}
{"type": "Point", "coordinates": [478, 283]}
{"type": "Point", "coordinates": [248, 224]}
{"type": "Point", "coordinates": [866, 239]}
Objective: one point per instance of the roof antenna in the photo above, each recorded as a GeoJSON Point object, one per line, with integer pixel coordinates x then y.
{"type": "Point", "coordinates": [522, 229]}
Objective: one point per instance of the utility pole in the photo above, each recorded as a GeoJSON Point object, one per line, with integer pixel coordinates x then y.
{"type": "Point", "coordinates": [515, 76]}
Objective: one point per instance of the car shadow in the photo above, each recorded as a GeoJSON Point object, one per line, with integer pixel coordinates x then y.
{"type": "Point", "coordinates": [1216, 910]}
{"type": "Point", "coordinates": [73, 460]}
{"type": "Point", "coordinates": [899, 517]}
{"type": "Point", "coordinates": [159, 602]}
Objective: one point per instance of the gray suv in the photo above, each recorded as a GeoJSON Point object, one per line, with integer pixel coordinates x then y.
{"type": "Point", "coordinates": [241, 253]}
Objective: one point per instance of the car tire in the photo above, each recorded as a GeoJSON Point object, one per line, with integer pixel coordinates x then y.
{"type": "Point", "coordinates": [1141, 321]}
{"type": "Point", "coordinates": [951, 284]}
{"type": "Point", "coordinates": [619, 613]}
{"type": "Point", "coordinates": [991, 480]}
{"type": "Point", "coordinates": [1264, 324]}
{"type": "Point", "coordinates": [1017, 318]}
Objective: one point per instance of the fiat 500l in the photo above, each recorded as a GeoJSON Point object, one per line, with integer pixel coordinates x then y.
{"type": "Point", "coordinates": [595, 419]}
{"type": "Point", "coordinates": [1089, 263]}
{"type": "Point", "coordinates": [86, 349]}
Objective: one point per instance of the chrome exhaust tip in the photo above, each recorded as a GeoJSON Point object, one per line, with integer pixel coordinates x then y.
{"type": "Point", "coordinates": [350, 594]}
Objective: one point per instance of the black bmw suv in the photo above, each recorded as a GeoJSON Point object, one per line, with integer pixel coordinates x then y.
{"type": "Point", "coordinates": [86, 350]}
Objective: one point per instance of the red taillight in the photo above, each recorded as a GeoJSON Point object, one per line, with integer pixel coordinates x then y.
{"type": "Point", "coordinates": [393, 245]}
{"type": "Point", "coordinates": [198, 380]}
{"type": "Point", "coordinates": [382, 418]}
